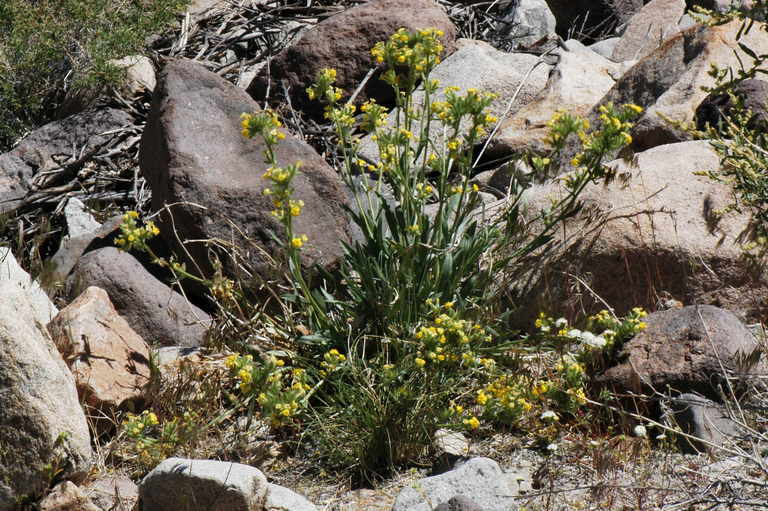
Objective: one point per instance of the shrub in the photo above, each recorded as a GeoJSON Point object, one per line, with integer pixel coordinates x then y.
{"type": "Point", "coordinates": [403, 340]}
{"type": "Point", "coordinates": [51, 48]}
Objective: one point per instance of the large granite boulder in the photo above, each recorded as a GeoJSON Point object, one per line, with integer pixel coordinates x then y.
{"type": "Point", "coordinates": [208, 179]}
{"type": "Point", "coordinates": [669, 80]}
{"type": "Point", "coordinates": [344, 42]}
{"type": "Point", "coordinates": [42, 426]}
{"type": "Point", "coordinates": [652, 230]}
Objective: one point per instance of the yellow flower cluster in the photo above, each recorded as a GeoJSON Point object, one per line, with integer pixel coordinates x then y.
{"type": "Point", "coordinates": [132, 236]}
{"type": "Point", "coordinates": [374, 116]}
{"type": "Point", "coordinates": [265, 123]}
{"type": "Point", "coordinates": [138, 425]}
{"type": "Point", "coordinates": [418, 51]}
{"type": "Point", "coordinates": [506, 398]}
{"type": "Point", "coordinates": [323, 89]}
{"type": "Point", "coordinates": [279, 390]}
{"type": "Point", "coordinates": [282, 191]}
{"type": "Point", "coordinates": [332, 360]}
{"type": "Point", "coordinates": [448, 340]}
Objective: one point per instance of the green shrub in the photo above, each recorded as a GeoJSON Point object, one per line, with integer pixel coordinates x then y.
{"type": "Point", "coordinates": [49, 48]}
{"type": "Point", "coordinates": [404, 339]}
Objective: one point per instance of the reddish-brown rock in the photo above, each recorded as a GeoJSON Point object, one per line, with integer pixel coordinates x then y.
{"type": "Point", "coordinates": [683, 350]}
{"type": "Point", "coordinates": [344, 42]}
{"type": "Point", "coordinates": [196, 159]}
{"type": "Point", "coordinates": [109, 360]}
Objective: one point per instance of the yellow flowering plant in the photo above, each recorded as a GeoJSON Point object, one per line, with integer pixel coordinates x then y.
{"type": "Point", "coordinates": [154, 440]}
{"type": "Point", "coordinates": [134, 236]}
{"type": "Point", "coordinates": [280, 390]}
{"type": "Point", "coordinates": [397, 337]}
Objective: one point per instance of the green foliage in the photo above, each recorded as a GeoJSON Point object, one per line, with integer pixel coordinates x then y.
{"type": "Point", "coordinates": [151, 441]}
{"type": "Point", "coordinates": [740, 141]}
{"type": "Point", "coordinates": [409, 254]}
{"type": "Point", "coordinates": [49, 48]}
{"type": "Point", "coordinates": [402, 339]}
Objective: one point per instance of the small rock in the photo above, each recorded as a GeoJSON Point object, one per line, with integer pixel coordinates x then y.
{"type": "Point", "coordinates": [117, 493]}
{"type": "Point", "coordinates": [166, 355]}
{"type": "Point", "coordinates": [73, 247]}
{"type": "Point", "coordinates": [529, 21]}
{"type": "Point", "coordinates": [179, 484]}
{"type": "Point", "coordinates": [479, 479]}
{"type": "Point", "coordinates": [704, 419]}
{"type": "Point", "coordinates": [283, 499]}
{"type": "Point", "coordinates": [450, 447]}
{"type": "Point", "coordinates": [140, 74]}
{"type": "Point", "coordinates": [605, 47]}
{"type": "Point", "coordinates": [109, 360]}
{"type": "Point", "coordinates": [67, 497]}
{"type": "Point", "coordinates": [79, 219]}
{"type": "Point", "coordinates": [459, 503]}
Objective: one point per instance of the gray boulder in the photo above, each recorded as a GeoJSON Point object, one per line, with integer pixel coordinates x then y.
{"type": "Point", "coordinates": [160, 315]}
{"type": "Point", "coordinates": [648, 29]}
{"type": "Point", "coordinates": [280, 498]}
{"type": "Point", "coordinates": [527, 22]}
{"type": "Point", "coordinates": [179, 484]}
{"type": "Point", "coordinates": [41, 421]}
{"type": "Point", "coordinates": [480, 479]}
{"type": "Point", "coordinates": [705, 420]}
{"type": "Point", "coordinates": [195, 158]}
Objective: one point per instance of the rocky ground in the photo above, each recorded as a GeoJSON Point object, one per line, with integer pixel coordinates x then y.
{"type": "Point", "coordinates": [169, 145]}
